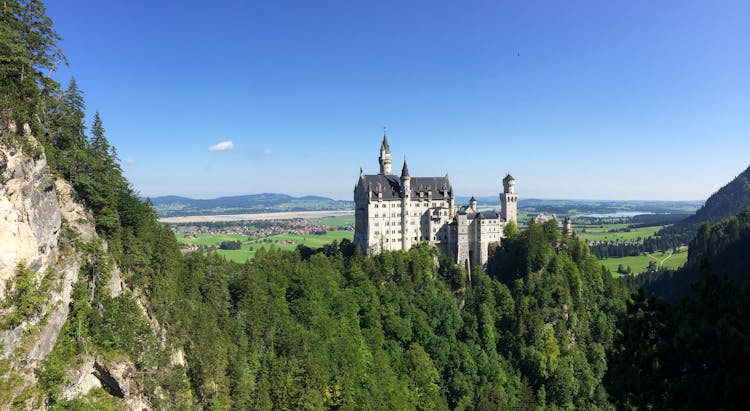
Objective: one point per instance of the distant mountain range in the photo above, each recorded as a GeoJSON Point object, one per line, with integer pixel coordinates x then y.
{"type": "Point", "coordinates": [175, 206]}
{"type": "Point", "coordinates": [573, 207]}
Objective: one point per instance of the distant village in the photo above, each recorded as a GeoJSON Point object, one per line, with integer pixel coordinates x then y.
{"type": "Point", "coordinates": [255, 230]}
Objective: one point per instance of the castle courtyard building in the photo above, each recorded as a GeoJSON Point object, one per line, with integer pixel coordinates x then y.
{"type": "Point", "coordinates": [395, 212]}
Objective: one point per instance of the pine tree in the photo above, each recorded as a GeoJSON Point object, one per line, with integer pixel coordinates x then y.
{"type": "Point", "coordinates": [28, 48]}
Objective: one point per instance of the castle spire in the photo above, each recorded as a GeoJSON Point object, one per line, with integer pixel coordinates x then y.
{"type": "Point", "coordinates": [384, 146]}
{"type": "Point", "coordinates": [405, 170]}
{"type": "Point", "coordinates": [385, 158]}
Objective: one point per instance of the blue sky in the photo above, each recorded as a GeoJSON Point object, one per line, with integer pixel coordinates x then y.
{"type": "Point", "coordinates": [601, 100]}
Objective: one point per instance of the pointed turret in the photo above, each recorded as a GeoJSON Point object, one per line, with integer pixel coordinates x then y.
{"type": "Point", "coordinates": [406, 230]}
{"type": "Point", "coordinates": [384, 145]}
{"type": "Point", "coordinates": [385, 156]}
{"type": "Point", "coordinates": [405, 180]}
{"type": "Point", "coordinates": [405, 170]}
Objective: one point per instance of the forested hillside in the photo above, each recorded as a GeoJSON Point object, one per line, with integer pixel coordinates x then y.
{"type": "Point", "coordinates": [403, 330]}
{"type": "Point", "coordinates": [729, 201]}
{"type": "Point", "coordinates": [724, 245]}
{"type": "Point", "coordinates": [690, 352]}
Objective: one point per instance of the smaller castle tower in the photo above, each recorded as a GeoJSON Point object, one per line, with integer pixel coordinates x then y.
{"type": "Point", "coordinates": [473, 204]}
{"type": "Point", "coordinates": [385, 157]}
{"type": "Point", "coordinates": [568, 227]}
{"type": "Point", "coordinates": [405, 202]}
{"type": "Point", "coordinates": [509, 199]}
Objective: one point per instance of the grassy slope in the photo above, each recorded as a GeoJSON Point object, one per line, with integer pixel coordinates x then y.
{"type": "Point", "coordinates": [638, 264]}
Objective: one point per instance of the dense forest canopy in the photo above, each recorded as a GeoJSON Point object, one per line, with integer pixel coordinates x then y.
{"type": "Point", "coordinates": [544, 327]}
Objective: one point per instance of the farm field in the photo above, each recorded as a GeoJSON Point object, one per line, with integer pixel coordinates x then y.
{"type": "Point", "coordinates": [639, 264]}
{"type": "Point", "coordinates": [210, 239]}
{"type": "Point", "coordinates": [335, 221]}
{"type": "Point", "coordinates": [597, 233]}
{"type": "Point", "coordinates": [281, 241]}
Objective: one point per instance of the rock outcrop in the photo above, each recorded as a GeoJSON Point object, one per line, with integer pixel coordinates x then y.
{"type": "Point", "coordinates": [41, 222]}
{"type": "Point", "coordinates": [30, 214]}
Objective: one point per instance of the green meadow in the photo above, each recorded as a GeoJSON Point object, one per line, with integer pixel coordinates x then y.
{"type": "Point", "coordinates": [602, 233]}
{"type": "Point", "coordinates": [249, 248]}
{"type": "Point", "coordinates": [210, 239]}
{"type": "Point", "coordinates": [335, 221]}
{"type": "Point", "coordinates": [639, 264]}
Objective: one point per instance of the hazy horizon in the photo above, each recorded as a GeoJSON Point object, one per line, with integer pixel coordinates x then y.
{"type": "Point", "coordinates": [458, 195]}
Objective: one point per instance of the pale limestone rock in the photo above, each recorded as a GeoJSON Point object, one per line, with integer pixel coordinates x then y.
{"type": "Point", "coordinates": [30, 215]}
{"type": "Point", "coordinates": [84, 378]}
{"type": "Point", "coordinates": [115, 284]}
{"type": "Point", "coordinates": [32, 208]}
{"type": "Point", "coordinates": [117, 378]}
{"type": "Point", "coordinates": [178, 357]}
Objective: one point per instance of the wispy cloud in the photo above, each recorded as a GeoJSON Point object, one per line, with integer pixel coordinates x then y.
{"type": "Point", "coordinates": [222, 146]}
{"type": "Point", "coordinates": [130, 160]}
{"type": "Point", "coordinates": [267, 152]}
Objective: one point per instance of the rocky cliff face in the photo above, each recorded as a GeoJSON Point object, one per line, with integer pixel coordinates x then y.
{"type": "Point", "coordinates": [40, 223]}
{"type": "Point", "coordinates": [30, 214]}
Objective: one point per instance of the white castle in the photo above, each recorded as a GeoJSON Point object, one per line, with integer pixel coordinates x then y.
{"type": "Point", "coordinates": [394, 212]}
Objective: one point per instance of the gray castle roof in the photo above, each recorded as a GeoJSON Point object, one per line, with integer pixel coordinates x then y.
{"type": "Point", "coordinates": [390, 186]}
{"type": "Point", "coordinates": [483, 215]}
{"type": "Point", "coordinates": [487, 215]}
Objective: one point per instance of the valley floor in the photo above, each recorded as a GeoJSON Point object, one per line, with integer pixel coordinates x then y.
{"type": "Point", "coordinates": [259, 216]}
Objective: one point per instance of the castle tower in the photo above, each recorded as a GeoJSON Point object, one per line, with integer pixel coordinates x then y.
{"type": "Point", "coordinates": [452, 201]}
{"type": "Point", "coordinates": [567, 227]}
{"type": "Point", "coordinates": [405, 202]}
{"type": "Point", "coordinates": [509, 199]}
{"type": "Point", "coordinates": [385, 157]}
{"type": "Point", "coordinates": [473, 204]}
